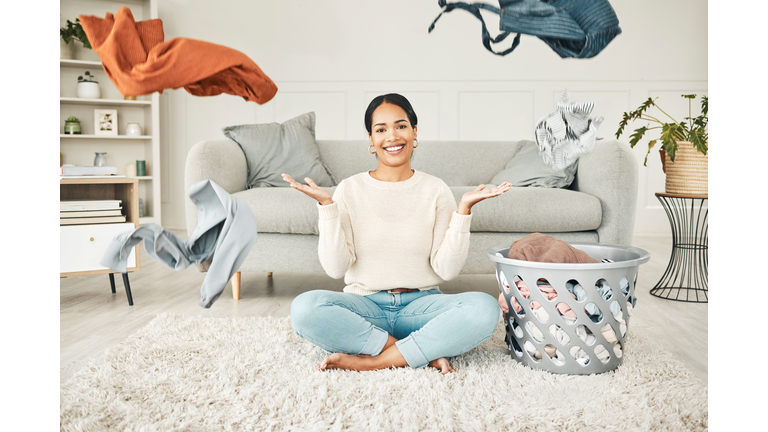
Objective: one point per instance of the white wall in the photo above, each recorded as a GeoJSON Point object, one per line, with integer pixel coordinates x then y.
{"type": "Point", "coordinates": [334, 56]}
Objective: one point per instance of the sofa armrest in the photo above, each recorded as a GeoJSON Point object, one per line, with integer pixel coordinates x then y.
{"type": "Point", "coordinates": [609, 173]}
{"type": "Point", "coordinates": [222, 161]}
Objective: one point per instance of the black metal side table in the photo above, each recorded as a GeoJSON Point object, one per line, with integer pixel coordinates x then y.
{"type": "Point", "coordinates": [686, 276]}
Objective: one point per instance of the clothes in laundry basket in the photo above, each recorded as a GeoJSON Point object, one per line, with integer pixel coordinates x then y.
{"type": "Point", "coordinates": [549, 293]}
{"type": "Point", "coordinates": [605, 292]}
{"type": "Point", "coordinates": [546, 289]}
{"type": "Point", "coordinates": [578, 293]}
{"type": "Point", "coordinates": [225, 233]}
{"type": "Point", "coordinates": [543, 248]}
{"type": "Point", "coordinates": [550, 350]}
{"type": "Point", "coordinates": [558, 333]}
{"type": "Point", "coordinates": [582, 357]}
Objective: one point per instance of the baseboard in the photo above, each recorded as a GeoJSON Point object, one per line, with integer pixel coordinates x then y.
{"type": "Point", "coordinates": [651, 234]}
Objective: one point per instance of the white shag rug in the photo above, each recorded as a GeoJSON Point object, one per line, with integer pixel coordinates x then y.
{"type": "Point", "coordinates": [184, 373]}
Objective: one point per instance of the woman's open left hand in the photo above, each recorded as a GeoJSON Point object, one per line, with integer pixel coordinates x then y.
{"type": "Point", "coordinates": [310, 189]}
{"type": "Point", "coordinates": [480, 193]}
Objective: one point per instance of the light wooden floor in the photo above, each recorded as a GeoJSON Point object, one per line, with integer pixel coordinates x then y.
{"type": "Point", "coordinates": [93, 319]}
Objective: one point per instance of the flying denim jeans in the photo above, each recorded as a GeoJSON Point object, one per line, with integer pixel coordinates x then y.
{"type": "Point", "coordinates": [572, 28]}
{"type": "Point", "coordinates": [427, 324]}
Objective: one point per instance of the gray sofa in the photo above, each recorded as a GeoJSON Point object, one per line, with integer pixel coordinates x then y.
{"type": "Point", "coordinates": [598, 207]}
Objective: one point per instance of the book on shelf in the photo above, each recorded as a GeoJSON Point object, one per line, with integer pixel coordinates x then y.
{"type": "Point", "coordinates": [91, 176]}
{"type": "Point", "coordinates": [92, 220]}
{"type": "Point", "coordinates": [70, 170]}
{"type": "Point", "coordinates": [74, 205]}
{"type": "Point", "coordinates": [90, 213]}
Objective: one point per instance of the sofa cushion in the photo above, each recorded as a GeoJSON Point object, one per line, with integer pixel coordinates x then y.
{"type": "Point", "coordinates": [285, 210]}
{"type": "Point", "coordinates": [527, 168]}
{"type": "Point", "coordinates": [274, 148]}
{"type": "Point", "coordinates": [523, 209]}
{"type": "Point", "coordinates": [282, 209]}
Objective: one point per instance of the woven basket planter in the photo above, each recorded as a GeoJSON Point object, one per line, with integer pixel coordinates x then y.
{"type": "Point", "coordinates": [688, 174]}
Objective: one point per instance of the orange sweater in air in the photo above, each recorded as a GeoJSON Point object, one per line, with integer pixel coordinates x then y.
{"type": "Point", "coordinates": [139, 62]}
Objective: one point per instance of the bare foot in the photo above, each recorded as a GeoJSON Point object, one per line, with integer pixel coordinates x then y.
{"type": "Point", "coordinates": [391, 357]}
{"type": "Point", "coordinates": [346, 361]}
{"type": "Point", "coordinates": [442, 364]}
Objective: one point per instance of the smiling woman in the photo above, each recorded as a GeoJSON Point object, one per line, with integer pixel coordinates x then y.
{"type": "Point", "coordinates": [394, 234]}
{"type": "Point", "coordinates": [391, 124]}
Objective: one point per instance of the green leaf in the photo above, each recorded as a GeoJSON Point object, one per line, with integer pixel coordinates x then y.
{"type": "Point", "coordinates": [699, 135]}
{"type": "Point", "coordinates": [633, 115]}
{"type": "Point", "coordinates": [651, 143]}
{"type": "Point", "coordinates": [67, 32]}
{"type": "Point", "coordinates": [643, 108]}
{"type": "Point", "coordinates": [65, 36]}
{"type": "Point", "coordinates": [625, 119]}
{"type": "Point", "coordinates": [668, 139]}
{"type": "Point", "coordinates": [75, 31]}
{"type": "Point", "coordinates": [637, 136]}
{"type": "Point", "coordinates": [83, 37]}
{"type": "Point", "coordinates": [699, 122]}
{"type": "Point", "coordinates": [690, 96]}
{"type": "Point", "coordinates": [698, 139]}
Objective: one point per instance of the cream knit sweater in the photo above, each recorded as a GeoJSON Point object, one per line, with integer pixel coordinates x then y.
{"type": "Point", "coordinates": [386, 235]}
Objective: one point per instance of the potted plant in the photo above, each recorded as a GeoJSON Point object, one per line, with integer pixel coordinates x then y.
{"type": "Point", "coordinates": [88, 87]}
{"type": "Point", "coordinates": [684, 145]}
{"type": "Point", "coordinates": [72, 126]}
{"type": "Point", "coordinates": [72, 32]}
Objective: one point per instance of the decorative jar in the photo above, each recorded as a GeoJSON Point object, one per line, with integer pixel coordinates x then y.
{"type": "Point", "coordinates": [141, 168]}
{"type": "Point", "coordinates": [100, 159]}
{"type": "Point", "coordinates": [66, 50]}
{"type": "Point", "coordinates": [72, 128]}
{"type": "Point", "coordinates": [133, 129]}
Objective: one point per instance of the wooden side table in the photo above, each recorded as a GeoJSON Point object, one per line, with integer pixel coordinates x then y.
{"type": "Point", "coordinates": [82, 246]}
{"type": "Point", "coordinates": [685, 278]}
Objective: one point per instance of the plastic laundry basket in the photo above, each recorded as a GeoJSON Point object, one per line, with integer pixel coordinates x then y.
{"type": "Point", "coordinates": [565, 334]}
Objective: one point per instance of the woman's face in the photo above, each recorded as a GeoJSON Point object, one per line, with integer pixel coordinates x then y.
{"type": "Point", "coordinates": [392, 135]}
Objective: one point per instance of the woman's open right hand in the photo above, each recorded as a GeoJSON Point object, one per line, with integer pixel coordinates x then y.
{"type": "Point", "coordinates": [310, 189]}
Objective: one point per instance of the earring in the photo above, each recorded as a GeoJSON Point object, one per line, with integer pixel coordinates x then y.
{"type": "Point", "coordinates": [372, 147]}
{"type": "Point", "coordinates": [417, 143]}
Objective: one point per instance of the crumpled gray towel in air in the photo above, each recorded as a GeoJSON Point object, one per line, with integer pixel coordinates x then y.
{"type": "Point", "coordinates": [567, 134]}
{"type": "Point", "coordinates": [226, 231]}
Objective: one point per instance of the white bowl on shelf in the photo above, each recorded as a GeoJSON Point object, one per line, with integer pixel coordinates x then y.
{"type": "Point", "coordinates": [133, 129]}
{"type": "Point", "coordinates": [88, 90]}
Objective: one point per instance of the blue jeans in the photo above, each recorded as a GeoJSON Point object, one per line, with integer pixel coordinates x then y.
{"type": "Point", "coordinates": [427, 324]}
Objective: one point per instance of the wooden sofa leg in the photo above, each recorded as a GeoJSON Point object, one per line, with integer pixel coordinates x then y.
{"type": "Point", "coordinates": [236, 286]}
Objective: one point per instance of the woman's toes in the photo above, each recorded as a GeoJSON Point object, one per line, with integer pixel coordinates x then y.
{"type": "Point", "coordinates": [443, 365]}
{"type": "Point", "coordinates": [328, 361]}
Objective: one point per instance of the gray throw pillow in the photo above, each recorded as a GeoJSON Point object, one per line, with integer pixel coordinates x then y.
{"type": "Point", "coordinates": [527, 168]}
{"type": "Point", "coordinates": [274, 148]}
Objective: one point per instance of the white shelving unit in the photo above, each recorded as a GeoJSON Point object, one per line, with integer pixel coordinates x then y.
{"type": "Point", "coordinates": [119, 137]}
{"type": "Point", "coordinates": [121, 149]}
{"type": "Point", "coordinates": [83, 101]}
